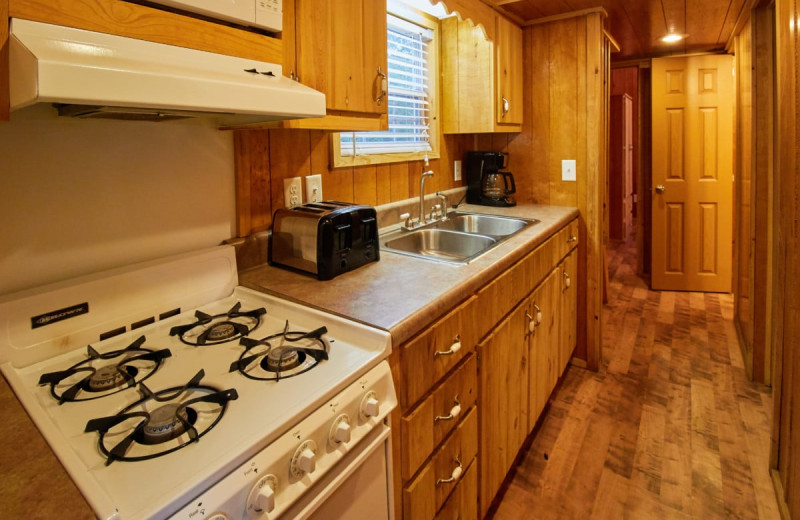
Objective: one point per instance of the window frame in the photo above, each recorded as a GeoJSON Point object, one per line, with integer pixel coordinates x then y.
{"type": "Point", "coordinates": [430, 22]}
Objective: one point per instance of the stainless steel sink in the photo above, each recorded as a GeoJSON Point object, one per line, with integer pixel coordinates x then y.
{"type": "Point", "coordinates": [483, 224]}
{"type": "Point", "coordinates": [459, 239]}
{"type": "Point", "coordinates": [440, 244]}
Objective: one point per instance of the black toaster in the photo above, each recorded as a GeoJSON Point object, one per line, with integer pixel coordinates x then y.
{"type": "Point", "coordinates": [324, 238]}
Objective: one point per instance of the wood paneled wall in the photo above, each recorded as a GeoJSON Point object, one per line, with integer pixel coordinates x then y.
{"type": "Point", "coordinates": [566, 83]}
{"type": "Point", "coordinates": [786, 298]}
{"type": "Point", "coordinates": [264, 158]}
{"type": "Point", "coordinates": [753, 202]}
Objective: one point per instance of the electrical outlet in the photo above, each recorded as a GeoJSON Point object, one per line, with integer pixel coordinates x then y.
{"type": "Point", "coordinates": [314, 188]}
{"type": "Point", "coordinates": [568, 170]}
{"type": "Point", "coordinates": [292, 192]}
{"type": "Point", "coordinates": [457, 170]}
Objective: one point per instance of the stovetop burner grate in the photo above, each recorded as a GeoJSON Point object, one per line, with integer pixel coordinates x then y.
{"type": "Point", "coordinates": [89, 379]}
{"type": "Point", "coordinates": [261, 360]}
{"type": "Point", "coordinates": [219, 328]}
{"type": "Point", "coordinates": [161, 422]}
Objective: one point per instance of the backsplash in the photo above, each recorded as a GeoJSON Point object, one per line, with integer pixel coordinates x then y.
{"type": "Point", "coordinates": [81, 196]}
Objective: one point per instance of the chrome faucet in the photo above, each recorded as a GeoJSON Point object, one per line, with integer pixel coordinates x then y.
{"type": "Point", "coordinates": [424, 176]}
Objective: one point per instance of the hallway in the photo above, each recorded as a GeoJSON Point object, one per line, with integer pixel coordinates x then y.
{"type": "Point", "coordinates": [669, 428]}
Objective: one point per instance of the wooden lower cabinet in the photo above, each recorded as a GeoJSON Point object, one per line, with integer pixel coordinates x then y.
{"type": "Point", "coordinates": [457, 393]}
{"type": "Point", "coordinates": [462, 504]}
{"type": "Point", "coordinates": [568, 311]}
{"type": "Point", "coordinates": [503, 387]}
{"type": "Point", "coordinates": [542, 346]}
{"type": "Point", "coordinates": [429, 490]}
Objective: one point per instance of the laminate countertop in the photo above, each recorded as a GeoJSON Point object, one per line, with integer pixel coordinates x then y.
{"type": "Point", "coordinates": [403, 294]}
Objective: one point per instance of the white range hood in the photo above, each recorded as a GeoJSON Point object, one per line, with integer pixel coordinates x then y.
{"type": "Point", "coordinates": [90, 74]}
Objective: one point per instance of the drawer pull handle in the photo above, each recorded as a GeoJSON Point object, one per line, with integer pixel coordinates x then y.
{"type": "Point", "coordinates": [454, 411]}
{"type": "Point", "coordinates": [567, 280]}
{"type": "Point", "coordinates": [455, 347]}
{"type": "Point", "coordinates": [531, 323]}
{"type": "Point", "coordinates": [572, 239]}
{"type": "Point", "coordinates": [538, 314]}
{"type": "Point", "coordinates": [454, 476]}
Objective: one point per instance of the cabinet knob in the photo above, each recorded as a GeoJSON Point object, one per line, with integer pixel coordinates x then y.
{"type": "Point", "coordinates": [538, 314]}
{"type": "Point", "coordinates": [454, 476]}
{"type": "Point", "coordinates": [567, 280]}
{"type": "Point", "coordinates": [506, 106]}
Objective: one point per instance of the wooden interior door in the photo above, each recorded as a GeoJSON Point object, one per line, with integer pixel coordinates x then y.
{"type": "Point", "coordinates": [692, 241]}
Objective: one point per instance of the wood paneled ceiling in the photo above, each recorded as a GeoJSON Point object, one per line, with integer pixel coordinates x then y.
{"type": "Point", "coordinates": [638, 25]}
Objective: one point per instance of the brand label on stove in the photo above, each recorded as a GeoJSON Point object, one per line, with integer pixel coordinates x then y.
{"type": "Point", "coordinates": [59, 315]}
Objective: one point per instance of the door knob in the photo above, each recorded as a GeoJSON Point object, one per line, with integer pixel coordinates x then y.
{"type": "Point", "coordinates": [660, 188]}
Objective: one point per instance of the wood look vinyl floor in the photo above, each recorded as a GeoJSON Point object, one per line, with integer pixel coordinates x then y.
{"type": "Point", "coordinates": [669, 428]}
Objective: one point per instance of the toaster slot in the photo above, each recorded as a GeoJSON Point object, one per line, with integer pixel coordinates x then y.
{"type": "Point", "coordinates": [370, 226]}
{"type": "Point", "coordinates": [344, 237]}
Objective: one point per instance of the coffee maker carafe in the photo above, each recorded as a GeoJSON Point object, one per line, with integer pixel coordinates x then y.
{"type": "Point", "coordinates": [487, 185]}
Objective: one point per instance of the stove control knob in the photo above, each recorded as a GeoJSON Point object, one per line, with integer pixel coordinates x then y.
{"type": "Point", "coordinates": [340, 430]}
{"type": "Point", "coordinates": [370, 406]}
{"type": "Point", "coordinates": [218, 516]}
{"type": "Point", "coordinates": [262, 495]}
{"type": "Point", "coordinates": [304, 459]}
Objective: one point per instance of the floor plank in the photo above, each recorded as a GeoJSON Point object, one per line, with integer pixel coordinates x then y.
{"type": "Point", "coordinates": [669, 427]}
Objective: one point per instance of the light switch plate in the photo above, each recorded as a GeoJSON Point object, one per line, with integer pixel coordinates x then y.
{"type": "Point", "coordinates": [457, 170]}
{"type": "Point", "coordinates": [292, 192]}
{"type": "Point", "coordinates": [568, 170]}
{"type": "Point", "coordinates": [314, 188]}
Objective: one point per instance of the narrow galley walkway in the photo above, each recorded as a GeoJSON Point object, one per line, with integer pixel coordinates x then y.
{"type": "Point", "coordinates": [669, 428]}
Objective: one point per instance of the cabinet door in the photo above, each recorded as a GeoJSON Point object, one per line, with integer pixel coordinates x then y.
{"type": "Point", "coordinates": [509, 72]}
{"type": "Point", "coordinates": [503, 376]}
{"type": "Point", "coordinates": [568, 312]}
{"type": "Point", "coordinates": [543, 345]}
{"type": "Point", "coordinates": [339, 47]}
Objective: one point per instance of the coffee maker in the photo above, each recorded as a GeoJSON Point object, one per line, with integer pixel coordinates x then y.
{"type": "Point", "coordinates": [487, 185]}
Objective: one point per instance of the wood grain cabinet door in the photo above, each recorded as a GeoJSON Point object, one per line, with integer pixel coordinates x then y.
{"type": "Point", "coordinates": [503, 396]}
{"type": "Point", "coordinates": [508, 102]}
{"type": "Point", "coordinates": [543, 311]}
{"type": "Point", "coordinates": [340, 46]}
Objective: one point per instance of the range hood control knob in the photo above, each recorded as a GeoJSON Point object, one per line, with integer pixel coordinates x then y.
{"type": "Point", "coordinates": [305, 459]}
{"type": "Point", "coordinates": [370, 406]}
{"type": "Point", "coordinates": [262, 495]}
{"type": "Point", "coordinates": [340, 430]}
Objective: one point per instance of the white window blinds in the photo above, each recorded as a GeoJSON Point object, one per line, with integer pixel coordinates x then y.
{"type": "Point", "coordinates": [408, 97]}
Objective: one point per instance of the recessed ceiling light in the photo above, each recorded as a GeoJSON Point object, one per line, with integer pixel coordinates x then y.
{"type": "Point", "coordinates": [673, 37]}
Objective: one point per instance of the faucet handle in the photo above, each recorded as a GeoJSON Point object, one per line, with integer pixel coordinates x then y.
{"type": "Point", "coordinates": [407, 218]}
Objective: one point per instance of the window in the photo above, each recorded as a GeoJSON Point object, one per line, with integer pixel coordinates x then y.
{"type": "Point", "coordinates": [413, 122]}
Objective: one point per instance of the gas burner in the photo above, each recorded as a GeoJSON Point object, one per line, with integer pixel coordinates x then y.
{"type": "Point", "coordinates": [161, 422]}
{"type": "Point", "coordinates": [263, 361]}
{"type": "Point", "coordinates": [220, 328]}
{"type": "Point", "coordinates": [92, 378]}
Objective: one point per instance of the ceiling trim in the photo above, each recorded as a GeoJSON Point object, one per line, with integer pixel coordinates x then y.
{"type": "Point", "coordinates": [564, 16]}
{"type": "Point", "coordinates": [614, 43]}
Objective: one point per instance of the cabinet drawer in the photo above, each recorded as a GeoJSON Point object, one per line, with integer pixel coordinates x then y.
{"type": "Point", "coordinates": [426, 426]}
{"type": "Point", "coordinates": [566, 239]}
{"type": "Point", "coordinates": [463, 502]}
{"type": "Point", "coordinates": [426, 494]}
{"type": "Point", "coordinates": [427, 358]}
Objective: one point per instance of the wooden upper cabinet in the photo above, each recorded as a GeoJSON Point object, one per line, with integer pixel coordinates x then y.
{"type": "Point", "coordinates": [477, 74]}
{"type": "Point", "coordinates": [508, 50]}
{"type": "Point", "coordinates": [339, 48]}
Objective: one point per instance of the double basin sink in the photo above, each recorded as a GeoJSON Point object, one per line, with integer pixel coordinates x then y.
{"type": "Point", "coordinates": [458, 239]}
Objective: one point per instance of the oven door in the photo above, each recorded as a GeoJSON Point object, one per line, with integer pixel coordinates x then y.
{"type": "Point", "coordinates": [359, 487]}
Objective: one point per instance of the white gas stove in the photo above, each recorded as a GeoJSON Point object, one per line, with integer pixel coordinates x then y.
{"type": "Point", "coordinates": [207, 401]}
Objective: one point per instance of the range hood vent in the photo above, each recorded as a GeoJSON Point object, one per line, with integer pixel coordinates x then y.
{"type": "Point", "coordinates": [95, 75]}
